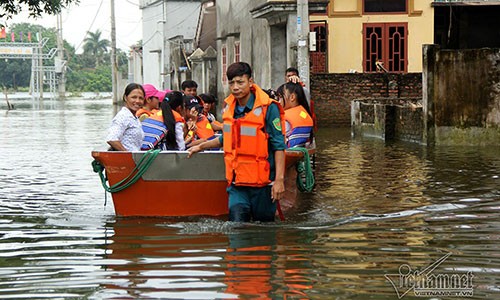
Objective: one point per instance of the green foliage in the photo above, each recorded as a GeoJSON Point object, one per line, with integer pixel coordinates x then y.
{"type": "Point", "coordinates": [10, 8]}
{"type": "Point", "coordinates": [95, 46]}
{"type": "Point", "coordinates": [90, 80]}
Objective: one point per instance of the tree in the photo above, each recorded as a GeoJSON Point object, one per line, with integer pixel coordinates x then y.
{"type": "Point", "coordinates": [9, 8]}
{"type": "Point", "coordinates": [95, 46]}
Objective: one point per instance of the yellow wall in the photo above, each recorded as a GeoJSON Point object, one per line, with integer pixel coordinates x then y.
{"type": "Point", "coordinates": [345, 33]}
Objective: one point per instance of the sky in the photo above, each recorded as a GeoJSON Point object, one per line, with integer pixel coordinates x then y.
{"type": "Point", "coordinates": [91, 15]}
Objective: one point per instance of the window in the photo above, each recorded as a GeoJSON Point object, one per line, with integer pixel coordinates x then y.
{"type": "Point", "coordinates": [236, 51]}
{"type": "Point", "coordinates": [224, 63]}
{"type": "Point", "coordinates": [384, 6]}
{"type": "Point", "coordinates": [385, 43]}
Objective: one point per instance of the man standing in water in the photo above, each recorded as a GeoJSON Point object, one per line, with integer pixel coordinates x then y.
{"type": "Point", "coordinates": [254, 144]}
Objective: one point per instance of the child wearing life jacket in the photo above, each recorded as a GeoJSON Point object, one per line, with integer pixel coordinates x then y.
{"type": "Point", "coordinates": [292, 75]}
{"type": "Point", "coordinates": [152, 100]}
{"type": "Point", "coordinates": [298, 121]}
{"type": "Point", "coordinates": [209, 105]}
{"type": "Point", "coordinates": [199, 128]}
{"type": "Point", "coordinates": [165, 128]}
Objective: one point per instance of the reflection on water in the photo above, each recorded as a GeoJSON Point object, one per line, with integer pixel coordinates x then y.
{"type": "Point", "coordinates": [376, 206]}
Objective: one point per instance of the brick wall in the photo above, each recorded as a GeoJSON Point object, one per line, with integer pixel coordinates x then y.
{"type": "Point", "coordinates": [389, 118]}
{"type": "Point", "coordinates": [332, 93]}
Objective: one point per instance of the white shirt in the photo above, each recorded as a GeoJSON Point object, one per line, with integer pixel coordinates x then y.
{"type": "Point", "coordinates": [179, 136]}
{"type": "Point", "coordinates": [126, 128]}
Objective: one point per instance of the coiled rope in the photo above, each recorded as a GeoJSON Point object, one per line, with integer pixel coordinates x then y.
{"type": "Point", "coordinates": [140, 168]}
{"type": "Point", "coordinates": [305, 174]}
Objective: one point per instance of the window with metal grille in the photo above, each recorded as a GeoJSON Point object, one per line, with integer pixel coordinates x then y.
{"type": "Point", "coordinates": [385, 47]}
{"type": "Point", "coordinates": [236, 51]}
{"type": "Point", "coordinates": [318, 56]}
{"type": "Point", "coordinates": [224, 63]}
{"type": "Point", "coordinates": [385, 6]}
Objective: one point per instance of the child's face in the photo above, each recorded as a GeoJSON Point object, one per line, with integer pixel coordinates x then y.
{"type": "Point", "coordinates": [207, 107]}
{"type": "Point", "coordinates": [190, 113]}
{"type": "Point", "coordinates": [190, 91]}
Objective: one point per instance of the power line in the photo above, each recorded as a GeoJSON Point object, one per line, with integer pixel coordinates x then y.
{"type": "Point", "coordinates": [91, 24]}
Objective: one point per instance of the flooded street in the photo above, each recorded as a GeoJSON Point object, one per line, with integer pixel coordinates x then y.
{"type": "Point", "coordinates": [379, 212]}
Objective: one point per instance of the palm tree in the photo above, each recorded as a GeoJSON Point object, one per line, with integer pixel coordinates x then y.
{"type": "Point", "coordinates": [95, 46]}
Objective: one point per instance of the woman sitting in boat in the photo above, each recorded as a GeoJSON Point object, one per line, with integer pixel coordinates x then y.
{"type": "Point", "coordinates": [152, 99]}
{"type": "Point", "coordinates": [165, 128]}
{"type": "Point", "coordinates": [298, 121]}
{"type": "Point", "coordinates": [199, 128]}
{"type": "Point", "coordinates": [125, 133]}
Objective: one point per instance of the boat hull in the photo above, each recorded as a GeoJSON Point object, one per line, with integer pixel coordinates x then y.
{"type": "Point", "coordinates": [173, 185]}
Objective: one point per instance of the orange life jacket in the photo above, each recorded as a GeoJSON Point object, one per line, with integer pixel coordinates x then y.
{"type": "Point", "coordinates": [246, 142]}
{"type": "Point", "coordinates": [301, 126]}
{"type": "Point", "coordinates": [146, 112]}
{"type": "Point", "coordinates": [203, 128]}
{"type": "Point", "coordinates": [311, 107]}
{"type": "Point", "coordinates": [217, 123]}
{"type": "Point", "coordinates": [178, 117]}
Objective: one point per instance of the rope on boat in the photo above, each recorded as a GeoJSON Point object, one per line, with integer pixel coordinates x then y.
{"type": "Point", "coordinates": [305, 174]}
{"type": "Point", "coordinates": [141, 167]}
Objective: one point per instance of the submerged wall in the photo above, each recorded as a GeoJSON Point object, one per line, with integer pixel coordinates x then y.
{"type": "Point", "coordinates": [388, 118]}
{"type": "Point", "coordinates": [333, 93]}
{"type": "Point", "coordinates": [462, 96]}
{"type": "Point", "coordinates": [460, 102]}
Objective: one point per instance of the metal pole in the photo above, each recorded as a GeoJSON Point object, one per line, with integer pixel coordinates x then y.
{"type": "Point", "coordinates": [40, 69]}
{"type": "Point", "coordinates": [114, 67]}
{"type": "Point", "coordinates": [62, 62]}
{"type": "Point", "coordinates": [302, 40]}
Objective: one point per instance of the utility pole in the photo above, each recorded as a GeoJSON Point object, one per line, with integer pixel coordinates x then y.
{"type": "Point", "coordinates": [302, 40]}
{"type": "Point", "coordinates": [40, 69]}
{"type": "Point", "coordinates": [60, 63]}
{"type": "Point", "coordinates": [114, 65]}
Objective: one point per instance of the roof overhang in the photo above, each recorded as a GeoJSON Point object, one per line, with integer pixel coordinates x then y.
{"type": "Point", "coordinates": [273, 10]}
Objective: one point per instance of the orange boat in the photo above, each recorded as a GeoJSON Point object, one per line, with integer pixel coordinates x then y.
{"type": "Point", "coordinates": [171, 185]}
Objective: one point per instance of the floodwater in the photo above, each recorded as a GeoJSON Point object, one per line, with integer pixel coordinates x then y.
{"type": "Point", "coordinates": [379, 211]}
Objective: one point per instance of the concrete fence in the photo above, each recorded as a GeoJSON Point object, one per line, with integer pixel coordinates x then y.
{"type": "Point", "coordinates": [455, 101]}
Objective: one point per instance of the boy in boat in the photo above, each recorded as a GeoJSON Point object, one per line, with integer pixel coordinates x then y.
{"type": "Point", "coordinates": [189, 88]}
{"type": "Point", "coordinates": [198, 127]}
{"type": "Point", "coordinates": [253, 142]}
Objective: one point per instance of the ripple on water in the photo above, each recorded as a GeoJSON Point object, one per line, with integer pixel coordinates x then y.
{"type": "Point", "coordinates": [375, 207]}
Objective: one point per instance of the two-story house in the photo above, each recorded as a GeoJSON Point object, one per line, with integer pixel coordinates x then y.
{"type": "Point", "coordinates": [366, 35]}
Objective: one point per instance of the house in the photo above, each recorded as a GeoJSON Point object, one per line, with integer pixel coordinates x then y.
{"type": "Point", "coordinates": [262, 33]}
{"type": "Point", "coordinates": [169, 28]}
{"type": "Point", "coordinates": [387, 35]}
{"type": "Point", "coordinates": [203, 60]}
{"type": "Point", "coordinates": [368, 35]}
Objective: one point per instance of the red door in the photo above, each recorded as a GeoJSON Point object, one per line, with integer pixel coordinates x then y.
{"type": "Point", "coordinates": [318, 57]}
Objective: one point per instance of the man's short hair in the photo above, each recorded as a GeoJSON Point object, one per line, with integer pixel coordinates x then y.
{"type": "Point", "coordinates": [292, 69]}
{"type": "Point", "coordinates": [238, 69]}
{"type": "Point", "coordinates": [189, 84]}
